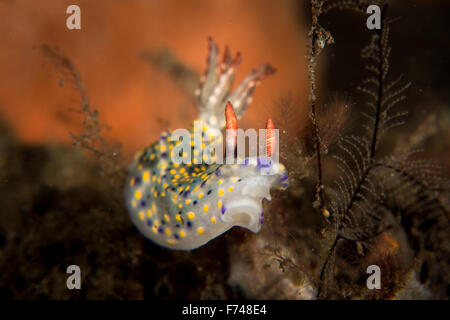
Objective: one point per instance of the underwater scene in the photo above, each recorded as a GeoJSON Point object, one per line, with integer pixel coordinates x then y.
{"type": "Point", "coordinates": [224, 150]}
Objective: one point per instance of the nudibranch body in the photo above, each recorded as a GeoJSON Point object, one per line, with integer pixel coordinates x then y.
{"type": "Point", "coordinates": [185, 205]}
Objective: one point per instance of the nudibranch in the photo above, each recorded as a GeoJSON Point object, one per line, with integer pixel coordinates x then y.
{"type": "Point", "coordinates": [184, 205]}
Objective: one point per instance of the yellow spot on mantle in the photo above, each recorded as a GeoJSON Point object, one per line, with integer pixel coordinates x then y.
{"type": "Point", "coordinates": [200, 230]}
{"type": "Point", "coordinates": [138, 194]}
{"type": "Point", "coordinates": [146, 175]}
{"type": "Point", "coordinates": [191, 215]}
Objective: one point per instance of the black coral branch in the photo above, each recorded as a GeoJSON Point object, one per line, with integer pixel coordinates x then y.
{"type": "Point", "coordinates": [371, 194]}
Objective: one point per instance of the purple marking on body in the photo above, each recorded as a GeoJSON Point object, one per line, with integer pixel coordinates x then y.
{"type": "Point", "coordinates": [203, 184]}
{"type": "Point", "coordinates": [284, 178]}
{"type": "Point", "coordinates": [218, 174]}
{"type": "Point", "coordinates": [137, 181]}
{"type": "Point", "coordinates": [186, 194]}
{"type": "Point", "coordinates": [263, 162]}
{"type": "Point", "coordinates": [223, 209]}
{"type": "Point", "coordinates": [246, 161]}
{"type": "Point", "coordinates": [143, 203]}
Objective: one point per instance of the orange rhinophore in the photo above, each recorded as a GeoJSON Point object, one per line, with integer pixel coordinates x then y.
{"type": "Point", "coordinates": [270, 137]}
{"type": "Point", "coordinates": [230, 116]}
{"type": "Point", "coordinates": [231, 127]}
